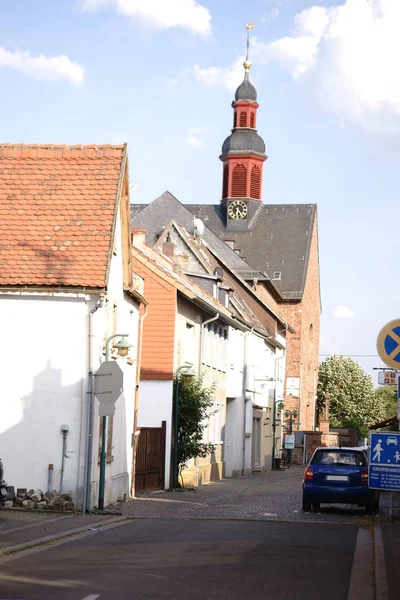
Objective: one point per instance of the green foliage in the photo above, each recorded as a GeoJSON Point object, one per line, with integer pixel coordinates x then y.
{"type": "Point", "coordinates": [194, 402]}
{"type": "Point", "coordinates": [386, 396]}
{"type": "Point", "coordinates": [352, 396]}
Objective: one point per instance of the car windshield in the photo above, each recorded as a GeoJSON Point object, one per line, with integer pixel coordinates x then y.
{"type": "Point", "coordinates": [339, 457]}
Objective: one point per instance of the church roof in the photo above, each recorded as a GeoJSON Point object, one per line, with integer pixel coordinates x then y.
{"type": "Point", "coordinates": [246, 91]}
{"type": "Point", "coordinates": [277, 241]}
{"type": "Point", "coordinates": [243, 141]}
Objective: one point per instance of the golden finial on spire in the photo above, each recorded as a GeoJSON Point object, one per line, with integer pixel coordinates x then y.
{"type": "Point", "coordinates": [246, 63]}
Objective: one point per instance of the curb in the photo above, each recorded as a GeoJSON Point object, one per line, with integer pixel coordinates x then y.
{"type": "Point", "coordinates": [381, 582]}
{"type": "Point", "coordinates": [4, 552]}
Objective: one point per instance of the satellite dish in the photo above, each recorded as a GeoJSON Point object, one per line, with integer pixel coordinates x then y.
{"type": "Point", "coordinates": [198, 228]}
{"type": "Point", "coordinates": [219, 274]}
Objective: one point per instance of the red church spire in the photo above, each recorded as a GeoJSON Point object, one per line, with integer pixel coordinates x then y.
{"type": "Point", "coordinates": [243, 152]}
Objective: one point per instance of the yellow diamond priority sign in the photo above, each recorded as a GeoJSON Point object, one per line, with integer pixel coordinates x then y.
{"type": "Point", "coordinates": [388, 344]}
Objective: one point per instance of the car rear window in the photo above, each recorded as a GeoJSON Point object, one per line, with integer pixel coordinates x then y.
{"type": "Point", "coordinates": [339, 457]}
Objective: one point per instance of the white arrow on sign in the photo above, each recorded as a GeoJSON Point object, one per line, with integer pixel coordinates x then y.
{"type": "Point", "coordinates": [108, 387]}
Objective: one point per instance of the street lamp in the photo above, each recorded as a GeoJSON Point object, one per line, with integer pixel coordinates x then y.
{"type": "Point", "coordinates": [123, 348]}
{"type": "Point", "coordinates": [280, 404]}
{"type": "Point", "coordinates": [292, 414]}
{"type": "Point", "coordinates": [175, 482]}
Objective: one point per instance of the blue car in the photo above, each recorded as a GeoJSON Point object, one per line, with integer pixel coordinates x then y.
{"type": "Point", "coordinates": [338, 475]}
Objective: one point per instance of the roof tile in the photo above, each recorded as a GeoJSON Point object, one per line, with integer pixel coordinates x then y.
{"type": "Point", "coordinates": [57, 207]}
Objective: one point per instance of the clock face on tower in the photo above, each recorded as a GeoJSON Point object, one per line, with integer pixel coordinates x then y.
{"type": "Point", "coordinates": [237, 209]}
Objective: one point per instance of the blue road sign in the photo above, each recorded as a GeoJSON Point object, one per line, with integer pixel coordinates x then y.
{"type": "Point", "coordinates": [388, 344]}
{"type": "Point", "coordinates": [384, 463]}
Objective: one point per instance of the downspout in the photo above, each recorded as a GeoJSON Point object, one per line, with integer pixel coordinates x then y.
{"type": "Point", "coordinates": [136, 403]}
{"type": "Point", "coordinates": [245, 400]}
{"type": "Point", "coordinates": [89, 413]}
{"type": "Point", "coordinates": [299, 419]}
{"type": "Point", "coordinates": [201, 339]}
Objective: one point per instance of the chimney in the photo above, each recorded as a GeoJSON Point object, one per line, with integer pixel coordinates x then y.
{"type": "Point", "coordinates": [138, 237]}
{"type": "Point", "coordinates": [168, 247]}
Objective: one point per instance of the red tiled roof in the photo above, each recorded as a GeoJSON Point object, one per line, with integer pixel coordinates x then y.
{"type": "Point", "coordinates": [57, 206]}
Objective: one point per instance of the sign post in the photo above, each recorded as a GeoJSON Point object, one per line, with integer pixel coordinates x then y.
{"type": "Point", "coordinates": [384, 463]}
{"type": "Point", "coordinates": [108, 387]}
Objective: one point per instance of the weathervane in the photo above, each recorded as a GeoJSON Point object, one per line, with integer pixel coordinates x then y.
{"type": "Point", "coordinates": [246, 63]}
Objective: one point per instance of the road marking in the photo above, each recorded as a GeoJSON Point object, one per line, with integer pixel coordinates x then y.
{"type": "Point", "coordinates": [381, 582]}
{"type": "Point", "coordinates": [91, 597]}
{"type": "Point", "coordinates": [361, 577]}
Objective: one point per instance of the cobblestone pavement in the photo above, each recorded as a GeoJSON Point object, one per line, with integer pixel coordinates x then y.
{"type": "Point", "coordinates": [274, 496]}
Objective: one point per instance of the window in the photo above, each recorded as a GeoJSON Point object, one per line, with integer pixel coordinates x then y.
{"type": "Point", "coordinates": [255, 180]}
{"type": "Point", "coordinates": [239, 175]}
{"type": "Point", "coordinates": [235, 119]}
{"type": "Point", "coordinates": [225, 182]}
{"type": "Point", "coordinates": [253, 120]}
{"type": "Point", "coordinates": [243, 119]}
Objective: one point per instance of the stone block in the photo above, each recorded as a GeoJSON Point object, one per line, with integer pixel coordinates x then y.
{"type": "Point", "coordinates": [47, 496]}
{"type": "Point", "coordinates": [10, 492]}
{"type": "Point", "coordinates": [21, 492]}
{"type": "Point", "coordinates": [30, 493]}
{"type": "Point", "coordinates": [29, 504]}
{"type": "Point", "coordinates": [54, 494]}
{"type": "Point", "coordinates": [19, 501]}
{"type": "Point", "coordinates": [42, 504]}
{"type": "Point", "coordinates": [68, 506]}
{"type": "Point", "coordinates": [8, 504]}
{"type": "Point", "coordinates": [36, 497]}
{"type": "Point", "coordinates": [25, 503]}
{"type": "Point", "coordinates": [57, 501]}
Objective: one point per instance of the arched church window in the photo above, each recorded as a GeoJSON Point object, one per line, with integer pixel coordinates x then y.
{"type": "Point", "coordinates": [225, 182]}
{"type": "Point", "coordinates": [243, 119]}
{"type": "Point", "coordinates": [255, 180]}
{"type": "Point", "coordinates": [239, 174]}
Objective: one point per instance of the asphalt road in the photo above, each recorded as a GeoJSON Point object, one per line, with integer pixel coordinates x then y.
{"type": "Point", "coordinates": [196, 559]}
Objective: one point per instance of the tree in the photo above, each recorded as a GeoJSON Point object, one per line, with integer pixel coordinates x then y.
{"type": "Point", "coordinates": [352, 397]}
{"type": "Point", "coordinates": [194, 403]}
{"type": "Point", "coordinates": [386, 396]}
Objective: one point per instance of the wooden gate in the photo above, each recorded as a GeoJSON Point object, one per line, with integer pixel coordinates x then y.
{"type": "Point", "coordinates": [150, 459]}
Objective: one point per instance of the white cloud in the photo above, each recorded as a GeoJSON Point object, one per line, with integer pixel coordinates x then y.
{"type": "Point", "coordinates": [348, 54]}
{"type": "Point", "coordinates": [159, 14]}
{"type": "Point", "coordinates": [229, 77]}
{"type": "Point", "coordinates": [44, 68]}
{"type": "Point", "coordinates": [342, 312]}
{"type": "Point", "coordinates": [197, 130]}
{"type": "Point", "coordinates": [194, 141]}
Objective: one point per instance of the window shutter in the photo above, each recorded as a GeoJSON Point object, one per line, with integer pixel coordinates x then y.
{"type": "Point", "coordinates": [255, 191]}
{"type": "Point", "coordinates": [252, 120]}
{"type": "Point", "coordinates": [225, 182]}
{"type": "Point", "coordinates": [239, 181]}
{"type": "Point", "coordinates": [243, 119]}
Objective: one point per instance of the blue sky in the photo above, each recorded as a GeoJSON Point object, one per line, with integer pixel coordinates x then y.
{"type": "Point", "coordinates": [161, 74]}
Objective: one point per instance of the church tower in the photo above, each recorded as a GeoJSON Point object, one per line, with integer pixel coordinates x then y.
{"type": "Point", "coordinates": [243, 154]}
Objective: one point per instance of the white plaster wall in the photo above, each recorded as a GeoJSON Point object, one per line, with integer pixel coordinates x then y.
{"type": "Point", "coordinates": [119, 471]}
{"type": "Point", "coordinates": [43, 367]}
{"type": "Point", "coordinates": [234, 371]}
{"type": "Point", "coordinates": [155, 406]}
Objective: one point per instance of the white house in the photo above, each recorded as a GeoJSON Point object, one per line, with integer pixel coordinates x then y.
{"type": "Point", "coordinates": [66, 285]}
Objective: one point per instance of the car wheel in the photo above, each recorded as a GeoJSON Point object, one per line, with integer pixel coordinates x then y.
{"type": "Point", "coordinates": [316, 505]}
{"type": "Point", "coordinates": [306, 504]}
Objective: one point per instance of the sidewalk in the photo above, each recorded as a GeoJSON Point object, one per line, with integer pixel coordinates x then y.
{"type": "Point", "coordinates": [21, 530]}
{"type": "Point", "coordinates": [274, 495]}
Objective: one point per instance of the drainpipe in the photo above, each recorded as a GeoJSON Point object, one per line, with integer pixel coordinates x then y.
{"type": "Point", "coordinates": [299, 419]}
{"type": "Point", "coordinates": [136, 405]}
{"type": "Point", "coordinates": [245, 400]}
{"type": "Point", "coordinates": [201, 339]}
{"type": "Point", "coordinates": [89, 413]}
{"type": "Point", "coordinates": [64, 431]}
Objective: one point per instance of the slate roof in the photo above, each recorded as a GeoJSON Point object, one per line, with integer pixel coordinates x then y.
{"type": "Point", "coordinates": [57, 213]}
{"type": "Point", "coordinates": [278, 240]}
{"type": "Point", "coordinates": [155, 217]}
